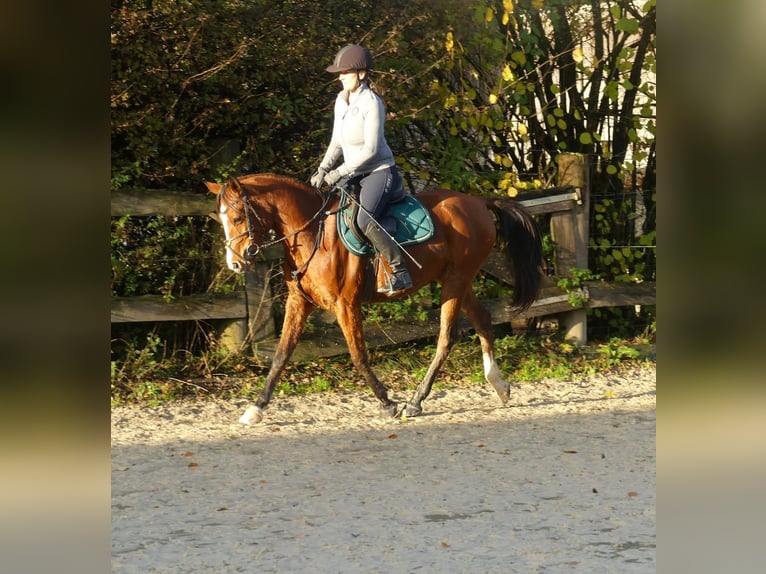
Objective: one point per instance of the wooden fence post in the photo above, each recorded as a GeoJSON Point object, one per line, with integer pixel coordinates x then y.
{"type": "Point", "coordinates": [260, 310]}
{"type": "Point", "coordinates": [233, 335]}
{"type": "Point", "coordinates": [570, 231]}
{"type": "Point", "coordinates": [258, 324]}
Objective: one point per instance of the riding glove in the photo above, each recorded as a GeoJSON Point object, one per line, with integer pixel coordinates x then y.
{"type": "Point", "coordinates": [332, 178]}
{"type": "Point", "coordinates": [318, 177]}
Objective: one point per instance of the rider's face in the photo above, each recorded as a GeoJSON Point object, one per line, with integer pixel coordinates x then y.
{"type": "Point", "coordinates": [350, 79]}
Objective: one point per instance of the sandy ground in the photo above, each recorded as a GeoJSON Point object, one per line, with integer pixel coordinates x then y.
{"type": "Point", "coordinates": [562, 479]}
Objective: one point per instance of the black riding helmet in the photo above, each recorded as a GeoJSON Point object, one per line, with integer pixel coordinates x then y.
{"type": "Point", "coordinates": [351, 57]}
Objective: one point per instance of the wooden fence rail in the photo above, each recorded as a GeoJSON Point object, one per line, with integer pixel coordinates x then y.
{"type": "Point", "coordinates": [248, 314]}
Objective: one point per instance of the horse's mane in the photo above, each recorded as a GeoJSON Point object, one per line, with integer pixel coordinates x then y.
{"type": "Point", "coordinates": [266, 181]}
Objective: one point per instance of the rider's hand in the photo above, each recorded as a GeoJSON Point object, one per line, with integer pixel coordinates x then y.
{"type": "Point", "coordinates": [318, 177]}
{"type": "Point", "coordinates": [332, 177]}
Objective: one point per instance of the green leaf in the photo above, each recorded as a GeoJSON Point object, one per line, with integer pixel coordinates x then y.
{"type": "Point", "coordinates": [628, 25]}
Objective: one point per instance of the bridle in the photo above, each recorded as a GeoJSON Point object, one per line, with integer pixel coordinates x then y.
{"type": "Point", "coordinates": [254, 248]}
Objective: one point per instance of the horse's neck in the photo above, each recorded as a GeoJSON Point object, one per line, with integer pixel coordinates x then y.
{"type": "Point", "coordinates": [296, 217]}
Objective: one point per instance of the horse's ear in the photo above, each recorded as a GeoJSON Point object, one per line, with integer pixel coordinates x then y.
{"type": "Point", "coordinates": [213, 188]}
{"type": "Point", "coordinates": [233, 184]}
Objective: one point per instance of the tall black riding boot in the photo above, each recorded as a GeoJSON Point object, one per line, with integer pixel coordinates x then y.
{"type": "Point", "coordinates": [387, 247]}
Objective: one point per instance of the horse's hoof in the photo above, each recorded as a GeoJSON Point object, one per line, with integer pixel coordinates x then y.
{"type": "Point", "coordinates": [253, 414]}
{"type": "Point", "coordinates": [411, 410]}
{"type": "Point", "coordinates": [390, 410]}
{"type": "Point", "coordinates": [503, 390]}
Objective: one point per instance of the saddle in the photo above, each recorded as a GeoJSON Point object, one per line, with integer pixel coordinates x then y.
{"type": "Point", "coordinates": [413, 222]}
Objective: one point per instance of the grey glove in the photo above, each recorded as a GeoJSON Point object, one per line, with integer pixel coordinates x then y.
{"type": "Point", "coordinates": [318, 177]}
{"type": "Point", "coordinates": [332, 178]}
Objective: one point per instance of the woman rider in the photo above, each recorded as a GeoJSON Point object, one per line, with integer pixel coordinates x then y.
{"type": "Point", "coordinates": [357, 137]}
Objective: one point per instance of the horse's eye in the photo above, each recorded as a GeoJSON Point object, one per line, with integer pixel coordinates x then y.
{"type": "Point", "coordinates": [238, 220]}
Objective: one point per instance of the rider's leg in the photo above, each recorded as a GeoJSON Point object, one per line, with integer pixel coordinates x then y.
{"type": "Point", "coordinates": [378, 189]}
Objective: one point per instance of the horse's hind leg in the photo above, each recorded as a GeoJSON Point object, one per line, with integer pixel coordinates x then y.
{"type": "Point", "coordinates": [448, 318]}
{"type": "Point", "coordinates": [297, 311]}
{"type": "Point", "coordinates": [482, 323]}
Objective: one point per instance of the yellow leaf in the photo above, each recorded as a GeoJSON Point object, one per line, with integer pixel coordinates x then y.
{"type": "Point", "coordinates": [538, 4]}
{"type": "Point", "coordinates": [506, 18]}
{"type": "Point", "coordinates": [449, 43]}
{"type": "Point", "coordinates": [489, 15]}
{"type": "Point", "coordinates": [492, 99]}
{"type": "Point", "coordinates": [508, 5]}
{"type": "Point", "coordinates": [507, 73]}
{"type": "Point", "coordinates": [577, 54]}
{"type": "Point", "coordinates": [522, 129]}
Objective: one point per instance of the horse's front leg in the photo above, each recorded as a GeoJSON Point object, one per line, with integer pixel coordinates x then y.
{"type": "Point", "coordinates": [297, 311]}
{"type": "Point", "coordinates": [350, 321]}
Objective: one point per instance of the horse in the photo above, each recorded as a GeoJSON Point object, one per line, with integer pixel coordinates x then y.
{"type": "Point", "coordinates": [260, 210]}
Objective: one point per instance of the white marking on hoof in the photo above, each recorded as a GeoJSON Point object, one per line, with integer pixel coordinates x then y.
{"type": "Point", "coordinates": [491, 370]}
{"type": "Point", "coordinates": [495, 378]}
{"type": "Point", "coordinates": [253, 414]}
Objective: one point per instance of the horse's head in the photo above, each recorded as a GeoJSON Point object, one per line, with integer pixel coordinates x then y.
{"type": "Point", "coordinates": [242, 225]}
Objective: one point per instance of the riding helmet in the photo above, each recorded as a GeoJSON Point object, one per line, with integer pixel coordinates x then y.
{"type": "Point", "coordinates": [351, 57]}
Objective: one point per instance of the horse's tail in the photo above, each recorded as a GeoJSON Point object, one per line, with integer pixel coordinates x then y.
{"type": "Point", "coordinates": [523, 246]}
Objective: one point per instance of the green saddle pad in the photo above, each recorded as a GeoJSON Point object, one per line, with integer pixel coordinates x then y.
{"type": "Point", "coordinates": [413, 224]}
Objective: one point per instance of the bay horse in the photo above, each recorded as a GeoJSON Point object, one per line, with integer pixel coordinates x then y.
{"type": "Point", "coordinates": [261, 210]}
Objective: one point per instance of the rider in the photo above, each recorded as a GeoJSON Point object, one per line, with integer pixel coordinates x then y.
{"type": "Point", "coordinates": [357, 135]}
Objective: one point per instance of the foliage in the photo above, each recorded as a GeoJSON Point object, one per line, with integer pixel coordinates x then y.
{"type": "Point", "coordinates": [623, 236]}
{"type": "Point", "coordinates": [622, 322]}
{"type": "Point", "coordinates": [616, 351]}
{"type": "Point", "coordinates": [574, 284]}
{"type": "Point", "coordinates": [415, 307]}
{"type": "Point", "coordinates": [517, 83]}
{"type": "Point", "coordinates": [150, 379]}
{"type": "Point", "coordinates": [172, 256]}
{"type": "Point", "coordinates": [481, 95]}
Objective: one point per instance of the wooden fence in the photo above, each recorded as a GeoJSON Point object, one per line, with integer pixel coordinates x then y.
{"type": "Point", "coordinates": [248, 314]}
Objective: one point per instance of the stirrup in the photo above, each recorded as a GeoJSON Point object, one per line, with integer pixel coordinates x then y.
{"type": "Point", "coordinates": [396, 282]}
